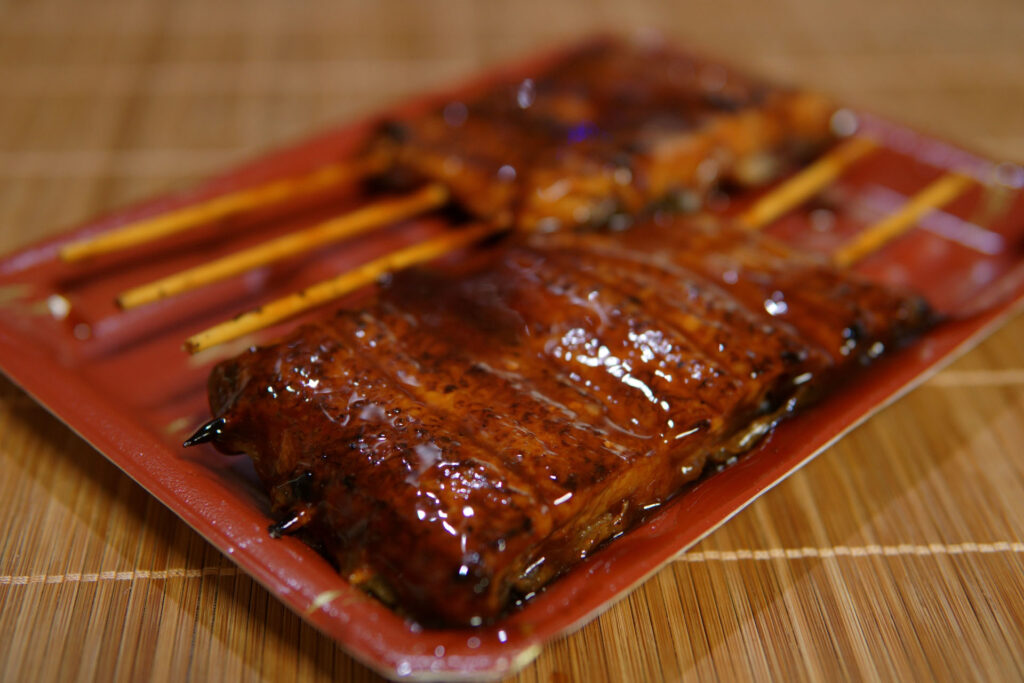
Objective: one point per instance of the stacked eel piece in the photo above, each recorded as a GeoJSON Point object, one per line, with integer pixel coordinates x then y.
{"type": "Point", "coordinates": [484, 424]}
{"type": "Point", "coordinates": [602, 134]}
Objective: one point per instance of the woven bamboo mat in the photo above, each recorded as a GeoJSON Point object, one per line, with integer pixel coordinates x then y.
{"type": "Point", "coordinates": [899, 553]}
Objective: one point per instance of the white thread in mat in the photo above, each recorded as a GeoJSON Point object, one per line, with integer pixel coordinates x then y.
{"type": "Point", "coordinates": [251, 78]}
{"type": "Point", "coordinates": [977, 378]}
{"type": "Point", "coordinates": [132, 575]}
{"type": "Point", "coordinates": [148, 162]}
{"type": "Point", "coordinates": [931, 549]}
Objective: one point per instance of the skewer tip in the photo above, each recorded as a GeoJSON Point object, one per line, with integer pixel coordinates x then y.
{"type": "Point", "coordinates": [295, 521]}
{"type": "Point", "coordinates": [208, 432]}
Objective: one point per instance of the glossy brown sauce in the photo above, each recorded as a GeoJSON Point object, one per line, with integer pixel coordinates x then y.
{"type": "Point", "coordinates": [479, 428]}
{"type": "Point", "coordinates": [608, 130]}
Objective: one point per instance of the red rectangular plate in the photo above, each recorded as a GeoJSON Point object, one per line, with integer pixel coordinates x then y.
{"type": "Point", "coordinates": [122, 382]}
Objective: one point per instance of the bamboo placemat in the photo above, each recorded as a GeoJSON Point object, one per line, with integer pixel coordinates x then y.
{"type": "Point", "coordinates": [897, 553]}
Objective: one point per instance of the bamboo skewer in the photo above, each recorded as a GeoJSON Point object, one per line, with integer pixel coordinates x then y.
{"type": "Point", "coordinates": [806, 183]}
{"type": "Point", "coordinates": [224, 206]}
{"type": "Point", "coordinates": [796, 190]}
{"type": "Point", "coordinates": [351, 224]}
{"type": "Point", "coordinates": [782, 199]}
{"type": "Point", "coordinates": [322, 292]}
{"type": "Point", "coordinates": [777, 202]}
{"type": "Point", "coordinates": [937, 194]}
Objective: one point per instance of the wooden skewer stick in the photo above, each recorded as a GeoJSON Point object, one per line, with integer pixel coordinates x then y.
{"type": "Point", "coordinates": [806, 183]}
{"type": "Point", "coordinates": [937, 194]}
{"type": "Point", "coordinates": [234, 203]}
{"type": "Point", "coordinates": [322, 292]}
{"type": "Point", "coordinates": [351, 224]}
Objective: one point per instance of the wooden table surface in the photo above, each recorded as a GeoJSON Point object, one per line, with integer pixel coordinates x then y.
{"type": "Point", "coordinates": [896, 554]}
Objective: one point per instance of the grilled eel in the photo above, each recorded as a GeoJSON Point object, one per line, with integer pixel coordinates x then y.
{"type": "Point", "coordinates": [607, 131]}
{"type": "Point", "coordinates": [481, 426]}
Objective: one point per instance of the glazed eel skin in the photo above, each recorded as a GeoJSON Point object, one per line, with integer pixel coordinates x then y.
{"type": "Point", "coordinates": [481, 426]}
{"type": "Point", "coordinates": [609, 129]}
